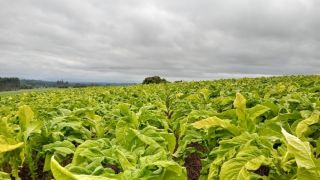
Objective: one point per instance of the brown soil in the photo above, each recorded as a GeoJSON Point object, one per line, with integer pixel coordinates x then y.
{"type": "Point", "coordinates": [198, 147]}
{"type": "Point", "coordinates": [40, 174]}
{"type": "Point", "coordinates": [24, 173]}
{"type": "Point", "coordinates": [177, 142]}
{"type": "Point", "coordinates": [168, 114]}
{"type": "Point", "coordinates": [193, 165]}
{"type": "Point", "coordinates": [193, 161]}
{"type": "Point", "coordinates": [263, 170]}
{"type": "Point", "coordinates": [115, 168]}
{"type": "Point", "coordinates": [67, 160]}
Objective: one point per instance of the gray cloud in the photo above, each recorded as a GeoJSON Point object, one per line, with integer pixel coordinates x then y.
{"type": "Point", "coordinates": [97, 40]}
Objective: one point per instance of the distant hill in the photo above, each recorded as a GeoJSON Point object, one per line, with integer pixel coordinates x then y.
{"type": "Point", "coordinates": [45, 84]}
{"type": "Point", "coordinates": [13, 83]}
{"type": "Point", "coordinates": [26, 84]}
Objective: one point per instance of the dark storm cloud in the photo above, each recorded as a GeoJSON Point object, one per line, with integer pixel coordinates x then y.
{"type": "Point", "coordinates": [97, 40]}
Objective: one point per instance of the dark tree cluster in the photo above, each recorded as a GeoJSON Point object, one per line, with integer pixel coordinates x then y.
{"type": "Point", "coordinates": [154, 80]}
{"type": "Point", "coordinates": [9, 84]}
{"type": "Point", "coordinates": [13, 84]}
{"type": "Point", "coordinates": [62, 84]}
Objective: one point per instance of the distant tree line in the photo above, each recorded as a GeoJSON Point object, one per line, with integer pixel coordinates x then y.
{"type": "Point", "coordinates": [13, 83]}
{"type": "Point", "coordinates": [31, 84]}
{"type": "Point", "coordinates": [9, 83]}
{"type": "Point", "coordinates": [62, 84]}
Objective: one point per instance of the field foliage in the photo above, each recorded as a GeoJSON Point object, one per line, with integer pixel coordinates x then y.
{"type": "Point", "coordinates": [262, 128]}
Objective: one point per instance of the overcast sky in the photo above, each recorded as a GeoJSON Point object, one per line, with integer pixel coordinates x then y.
{"type": "Point", "coordinates": [125, 41]}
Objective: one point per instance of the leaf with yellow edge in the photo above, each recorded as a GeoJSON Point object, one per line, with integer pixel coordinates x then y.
{"type": "Point", "coordinates": [9, 147]}
{"type": "Point", "coordinates": [61, 173]}
{"type": "Point", "coordinates": [5, 146]}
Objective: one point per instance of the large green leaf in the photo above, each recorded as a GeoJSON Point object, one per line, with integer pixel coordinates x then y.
{"type": "Point", "coordinates": [239, 168]}
{"type": "Point", "coordinates": [61, 173]}
{"type": "Point", "coordinates": [240, 105]}
{"type": "Point", "coordinates": [216, 122]}
{"type": "Point", "coordinates": [90, 150]}
{"type": "Point", "coordinates": [307, 165]}
{"type": "Point", "coordinates": [6, 147]}
{"type": "Point", "coordinates": [125, 164]}
{"type": "Point", "coordinates": [4, 127]}
{"type": "Point", "coordinates": [122, 133]}
{"type": "Point", "coordinates": [33, 127]}
{"type": "Point", "coordinates": [303, 125]}
{"type": "Point", "coordinates": [301, 150]}
{"type": "Point", "coordinates": [57, 148]}
{"type": "Point", "coordinates": [234, 169]}
{"type": "Point", "coordinates": [166, 170]}
{"type": "Point", "coordinates": [308, 174]}
{"type": "Point", "coordinates": [145, 139]}
{"type": "Point", "coordinates": [244, 121]}
{"type": "Point", "coordinates": [257, 111]}
{"type": "Point", "coordinates": [170, 140]}
{"type": "Point", "coordinates": [25, 116]}
{"type": "Point", "coordinates": [128, 115]}
{"type": "Point", "coordinates": [4, 176]}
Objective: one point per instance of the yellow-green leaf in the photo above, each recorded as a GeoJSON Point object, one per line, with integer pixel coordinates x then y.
{"type": "Point", "coordinates": [61, 173]}
{"type": "Point", "coordinates": [240, 105]}
{"type": "Point", "coordinates": [216, 122]}
{"type": "Point", "coordinates": [255, 163]}
{"type": "Point", "coordinates": [25, 116]}
{"type": "Point", "coordinates": [5, 147]}
{"type": "Point", "coordinates": [4, 176]}
{"type": "Point", "coordinates": [234, 170]}
{"type": "Point", "coordinates": [303, 126]}
{"type": "Point", "coordinates": [240, 101]}
{"type": "Point", "coordinates": [125, 164]}
{"type": "Point", "coordinates": [301, 150]}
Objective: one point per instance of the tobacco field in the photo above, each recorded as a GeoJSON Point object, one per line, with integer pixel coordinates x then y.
{"type": "Point", "coordinates": [236, 129]}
